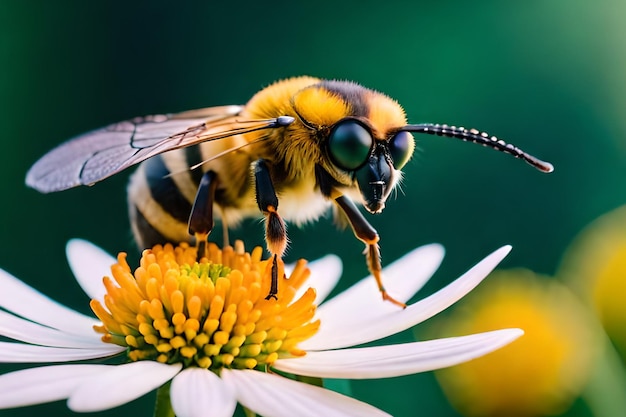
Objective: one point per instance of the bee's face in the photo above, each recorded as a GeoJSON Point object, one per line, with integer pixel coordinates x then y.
{"type": "Point", "coordinates": [372, 163]}
{"type": "Point", "coordinates": [358, 132]}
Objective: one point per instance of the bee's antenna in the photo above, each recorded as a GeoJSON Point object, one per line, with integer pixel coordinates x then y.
{"type": "Point", "coordinates": [481, 138]}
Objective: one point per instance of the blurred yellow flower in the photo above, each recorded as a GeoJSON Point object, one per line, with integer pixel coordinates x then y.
{"type": "Point", "coordinates": [539, 374]}
{"type": "Point", "coordinates": [595, 266]}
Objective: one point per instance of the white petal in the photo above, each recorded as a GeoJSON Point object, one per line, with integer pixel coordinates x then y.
{"type": "Point", "coordinates": [26, 331]}
{"type": "Point", "coordinates": [198, 392]}
{"type": "Point", "coordinates": [402, 279]}
{"type": "Point", "coordinates": [119, 385]}
{"type": "Point", "coordinates": [22, 353]}
{"type": "Point", "coordinates": [42, 385]}
{"type": "Point", "coordinates": [342, 333]}
{"type": "Point", "coordinates": [325, 273]}
{"type": "Point", "coordinates": [89, 264]}
{"type": "Point", "coordinates": [397, 360]}
{"type": "Point", "coordinates": [27, 302]}
{"type": "Point", "coordinates": [274, 396]}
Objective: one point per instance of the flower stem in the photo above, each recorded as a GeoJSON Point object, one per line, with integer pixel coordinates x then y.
{"type": "Point", "coordinates": [163, 404]}
{"type": "Point", "coordinates": [318, 382]}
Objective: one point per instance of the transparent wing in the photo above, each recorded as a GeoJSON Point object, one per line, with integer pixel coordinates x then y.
{"type": "Point", "coordinates": [96, 155]}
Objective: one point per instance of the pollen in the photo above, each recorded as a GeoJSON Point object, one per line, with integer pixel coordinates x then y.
{"type": "Point", "coordinates": [208, 314]}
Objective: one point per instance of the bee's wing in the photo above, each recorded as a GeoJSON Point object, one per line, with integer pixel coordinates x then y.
{"type": "Point", "coordinates": [96, 155]}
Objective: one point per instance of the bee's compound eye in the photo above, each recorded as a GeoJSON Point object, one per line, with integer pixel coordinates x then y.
{"type": "Point", "coordinates": [349, 144]}
{"type": "Point", "coordinates": [400, 148]}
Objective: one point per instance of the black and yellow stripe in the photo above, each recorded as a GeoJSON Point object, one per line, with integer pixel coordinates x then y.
{"type": "Point", "coordinates": [161, 196]}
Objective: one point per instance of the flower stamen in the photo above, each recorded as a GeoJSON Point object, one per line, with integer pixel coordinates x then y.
{"type": "Point", "coordinates": [207, 314]}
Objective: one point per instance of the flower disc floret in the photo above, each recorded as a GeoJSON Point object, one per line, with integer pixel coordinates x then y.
{"type": "Point", "coordinates": [209, 314]}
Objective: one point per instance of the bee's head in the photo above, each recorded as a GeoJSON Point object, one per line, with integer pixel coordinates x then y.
{"type": "Point", "coordinates": [372, 163]}
{"type": "Point", "coordinates": [358, 130]}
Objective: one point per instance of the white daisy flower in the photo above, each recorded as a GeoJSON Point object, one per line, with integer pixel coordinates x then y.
{"type": "Point", "coordinates": [206, 332]}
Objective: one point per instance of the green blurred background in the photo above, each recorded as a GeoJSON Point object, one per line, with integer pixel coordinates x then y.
{"type": "Point", "coordinates": [548, 76]}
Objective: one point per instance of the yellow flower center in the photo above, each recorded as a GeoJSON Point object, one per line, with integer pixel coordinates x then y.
{"type": "Point", "coordinates": [209, 314]}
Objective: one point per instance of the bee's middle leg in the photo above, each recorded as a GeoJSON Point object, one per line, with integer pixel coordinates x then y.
{"type": "Point", "coordinates": [275, 229]}
{"type": "Point", "coordinates": [201, 218]}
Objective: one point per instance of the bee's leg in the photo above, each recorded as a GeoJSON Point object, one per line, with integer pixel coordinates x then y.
{"type": "Point", "coordinates": [275, 229]}
{"type": "Point", "coordinates": [201, 217]}
{"type": "Point", "coordinates": [367, 234]}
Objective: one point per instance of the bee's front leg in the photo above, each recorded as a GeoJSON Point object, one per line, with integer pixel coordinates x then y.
{"type": "Point", "coordinates": [367, 234]}
{"type": "Point", "coordinates": [201, 218]}
{"type": "Point", "coordinates": [275, 229]}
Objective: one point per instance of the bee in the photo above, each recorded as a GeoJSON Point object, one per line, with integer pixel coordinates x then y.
{"type": "Point", "coordinates": [307, 143]}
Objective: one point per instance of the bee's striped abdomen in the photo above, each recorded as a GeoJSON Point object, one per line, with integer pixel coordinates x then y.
{"type": "Point", "coordinates": [160, 197]}
{"type": "Point", "coordinates": [144, 233]}
{"type": "Point", "coordinates": [164, 190]}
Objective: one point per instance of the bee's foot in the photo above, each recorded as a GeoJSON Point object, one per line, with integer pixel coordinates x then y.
{"type": "Point", "coordinates": [387, 297]}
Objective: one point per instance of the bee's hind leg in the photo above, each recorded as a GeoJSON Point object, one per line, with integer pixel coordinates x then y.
{"type": "Point", "coordinates": [201, 218]}
{"type": "Point", "coordinates": [275, 229]}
